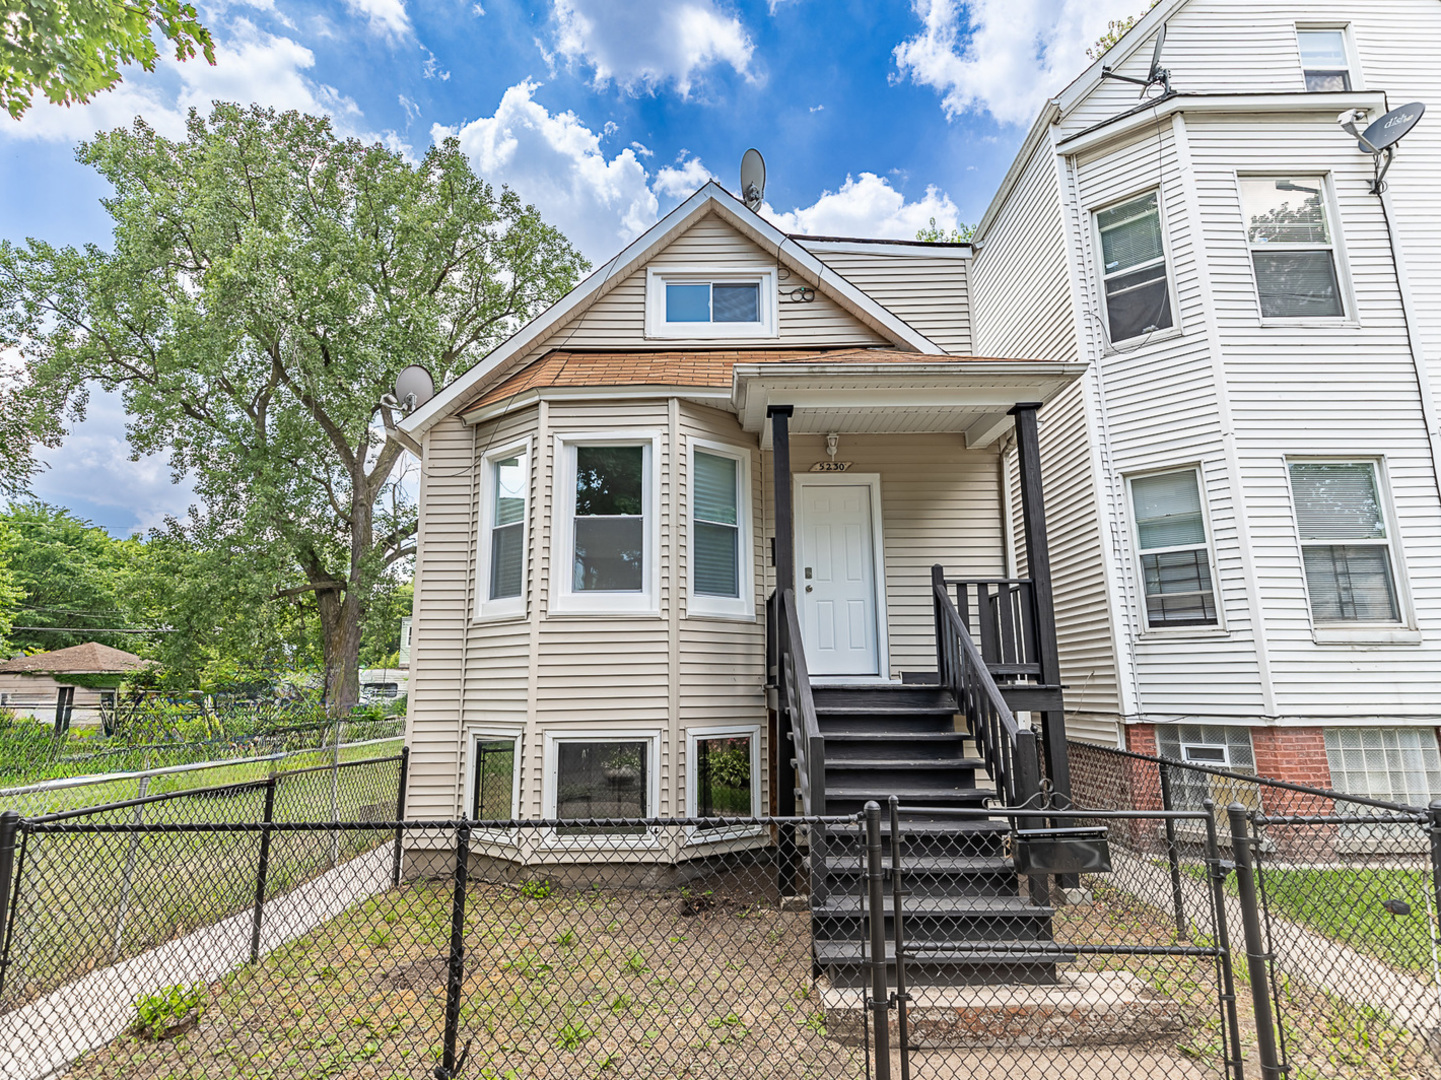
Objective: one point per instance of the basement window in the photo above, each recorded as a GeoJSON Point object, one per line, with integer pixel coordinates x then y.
{"type": "Point", "coordinates": [697, 303]}
{"type": "Point", "coordinates": [1210, 746]}
{"type": "Point", "coordinates": [495, 777]}
{"type": "Point", "coordinates": [601, 776]}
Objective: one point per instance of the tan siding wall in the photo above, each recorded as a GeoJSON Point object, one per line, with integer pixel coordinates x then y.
{"type": "Point", "coordinates": [932, 295]}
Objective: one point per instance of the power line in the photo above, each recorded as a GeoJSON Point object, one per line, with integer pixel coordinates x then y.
{"type": "Point", "coordinates": [100, 629]}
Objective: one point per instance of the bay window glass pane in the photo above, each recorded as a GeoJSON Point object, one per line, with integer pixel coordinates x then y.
{"type": "Point", "coordinates": [494, 795]}
{"type": "Point", "coordinates": [509, 491]}
{"type": "Point", "coordinates": [601, 780]}
{"type": "Point", "coordinates": [609, 479]}
{"type": "Point", "coordinates": [1138, 303]}
{"type": "Point", "coordinates": [1168, 510]}
{"type": "Point", "coordinates": [1297, 284]}
{"type": "Point", "coordinates": [1337, 501]}
{"type": "Point", "coordinates": [736, 303]}
{"type": "Point", "coordinates": [1284, 210]}
{"type": "Point", "coordinates": [1349, 583]}
{"type": "Point", "coordinates": [717, 560]}
{"type": "Point", "coordinates": [723, 777]}
{"type": "Point", "coordinates": [609, 554]}
{"type": "Point", "coordinates": [1130, 234]}
{"type": "Point", "coordinates": [714, 497]}
{"type": "Point", "coordinates": [507, 561]}
{"type": "Point", "coordinates": [687, 303]}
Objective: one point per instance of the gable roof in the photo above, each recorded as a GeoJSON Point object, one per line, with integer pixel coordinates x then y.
{"type": "Point", "coordinates": [91, 658]}
{"type": "Point", "coordinates": [712, 198]}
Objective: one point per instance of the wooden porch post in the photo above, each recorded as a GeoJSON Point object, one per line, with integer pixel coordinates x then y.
{"type": "Point", "coordinates": [785, 560]}
{"type": "Point", "coordinates": [785, 554]}
{"type": "Point", "coordinates": [1043, 613]}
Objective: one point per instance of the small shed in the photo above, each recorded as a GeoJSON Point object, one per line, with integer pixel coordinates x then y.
{"type": "Point", "coordinates": [67, 685]}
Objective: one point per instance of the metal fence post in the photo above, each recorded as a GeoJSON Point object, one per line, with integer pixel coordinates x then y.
{"type": "Point", "coordinates": [262, 871]}
{"type": "Point", "coordinates": [1257, 958]}
{"type": "Point", "coordinates": [400, 813]}
{"type": "Point", "coordinates": [130, 857]}
{"type": "Point", "coordinates": [1216, 872]}
{"type": "Point", "coordinates": [9, 828]}
{"type": "Point", "coordinates": [455, 976]}
{"type": "Point", "coordinates": [898, 893]}
{"type": "Point", "coordinates": [335, 791]}
{"type": "Point", "coordinates": [879, 1003]}
{"type": "Point", "coordinates": [1173, 853]}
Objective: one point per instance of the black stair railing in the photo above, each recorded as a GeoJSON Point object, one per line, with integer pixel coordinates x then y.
{"type": "Point", "coordinates": [1008, 750]}
{"type": "Point", "coordinates": [796, 707]}
{"type": "Point", "coordinates": [1001, 613]}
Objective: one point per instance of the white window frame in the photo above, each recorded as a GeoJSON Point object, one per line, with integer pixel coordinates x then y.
{"type": "Point", "coordinates": [657, 278]}
{"type": "Point", "coordinates": [723, 607]}
{"type": "Point", "coordinates": [1147, 630]}
{"type": "Point", "coordinates": [1353, 67]}
{"type": "Point", "coordinates": [649, 839]}
{"type": "Point", "coordinates": [1149, 335]}
{"type": "Point", "coordinates": [1337, 247]}
{"type": "Point", "coordinates": [563, 599]}
{"type": "Point", "coordinates": [509, 606]}
{"type": "Point", "coordinates": [474, 735]}
{"type": "Point", "coordinates": [1401, 632]}
{"type": "Point", "coordinates": [693, 736]}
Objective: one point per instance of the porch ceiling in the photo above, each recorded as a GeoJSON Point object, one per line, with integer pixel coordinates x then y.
{"type": "Point", "coordinates": [971, 397]}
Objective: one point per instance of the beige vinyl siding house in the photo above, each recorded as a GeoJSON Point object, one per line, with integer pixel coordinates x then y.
{"type": "Point", "coordinates": [598, 513]}
{"type": "Point", "coordinates": [1250, 382]}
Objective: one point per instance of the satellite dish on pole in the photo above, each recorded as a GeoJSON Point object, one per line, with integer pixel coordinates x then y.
{"type": "Point", "coordinates": [753, 179]}
{"type": "Point", "coordinates": [414, 387]}
{"type": "Point", "coordinates": [1380, 138]}
{"type": "Point", "coordinates": [1156, 76]}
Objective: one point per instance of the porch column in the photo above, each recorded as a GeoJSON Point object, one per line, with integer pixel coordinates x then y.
{"type": "Point", "coordinates": [1043, 612]}
{"type": "Point", "coordinates": [785, 553]}
{"type": "Point", "coordinates": [785, 560]}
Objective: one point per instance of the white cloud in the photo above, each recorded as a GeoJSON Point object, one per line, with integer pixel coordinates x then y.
{"type": "Point", "coordinates": [556, 162]}
{"type": "Point", "coordinates": [1004, 57]}
{"type": "Point", "coordinates": [642, 44]}
{"type": "Point", "coordinates": [387, 17]}
{"type": "Point", "coordinates": [867, 206]}
{"type": "Point", "coordinates": [251, 65]}
{"type": "Point", "coordinates": [680, 181]}
{"type": "Point", "coordinates": [412, 110]}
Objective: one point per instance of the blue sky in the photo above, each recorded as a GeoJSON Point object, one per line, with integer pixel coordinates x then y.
{"type": "Point", "coordinates": [873, 117]}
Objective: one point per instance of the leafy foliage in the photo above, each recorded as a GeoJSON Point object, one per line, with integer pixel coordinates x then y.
{"type": "Point", "coordinates": [1116, 29]}
{"type": "Point", "coordinates": [934, 234]}
{"type": "Point", "coordinates": [71, 50]}
{"type": "Point", "coordinates": [267, 282]}
{"type": "Point", "coordinates": [157, 1014]}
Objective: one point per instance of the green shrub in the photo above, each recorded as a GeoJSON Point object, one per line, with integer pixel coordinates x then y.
{"type": "Point", "coordinates": [159, 1014]}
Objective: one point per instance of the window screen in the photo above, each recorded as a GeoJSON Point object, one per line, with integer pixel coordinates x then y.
{"type": "Point", "coordinates": [1134, 268]}
{"type": "Point", "coordinates": [715, 500]}
{"type": "Point", "coordinates": [609, 519]}
{"type": "Point", "coordinates": [1344, 546]}
{"type": "Point", "coordinates": [1291, 246]}
{"type": "Point", "coordinates": [1175, 556]}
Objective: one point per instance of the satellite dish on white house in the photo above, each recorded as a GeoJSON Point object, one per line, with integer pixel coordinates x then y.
{"type": "Point", "coordinates": [414, 387]}
{"type": "Point", "coordinates": [753, 179]}
{"type": "Point", "coordinates": [1380, 138]}
{"type": "Point", "coordinates": [1156, 76]}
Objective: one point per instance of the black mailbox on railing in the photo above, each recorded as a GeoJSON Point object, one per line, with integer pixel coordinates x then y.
{"type": "Point", "coordinates": [1062, 851]}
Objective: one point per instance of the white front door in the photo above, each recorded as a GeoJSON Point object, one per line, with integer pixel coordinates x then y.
{"type": "Point", "coordinates": [837, 579]}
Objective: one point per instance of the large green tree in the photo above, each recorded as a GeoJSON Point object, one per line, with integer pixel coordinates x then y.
{"type": "Point", "coordinates": [267, 281]}
{"type": "Point", "coordinates": [71, 50]}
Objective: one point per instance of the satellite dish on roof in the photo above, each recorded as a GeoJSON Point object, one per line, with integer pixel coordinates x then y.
{"type": "Point", "coordinates": [1156, 76]}
{"type": "Point", "coordinates": [753, 179]}
{"type": "Point", "coordinates": [414, 387]}
{"type": "Point", "coordinates": [1380, 138]}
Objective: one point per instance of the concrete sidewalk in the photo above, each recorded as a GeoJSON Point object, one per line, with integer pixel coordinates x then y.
{"type": "Point", "coordinates": [40, 1038]}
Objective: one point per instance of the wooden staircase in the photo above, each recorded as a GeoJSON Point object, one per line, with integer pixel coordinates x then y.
{"type": "Point", "coordinates": [964, 908]}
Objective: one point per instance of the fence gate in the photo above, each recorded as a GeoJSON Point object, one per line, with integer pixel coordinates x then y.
{"type": "Point", "coordinates": [1078, 943]}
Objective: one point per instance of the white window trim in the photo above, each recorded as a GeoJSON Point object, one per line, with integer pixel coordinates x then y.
{"type": "Point", "coordinates": [493, 731]}
{"type": "Point", "coordinates": [1174, 330]}
{"type": "Point", "coordinates": [1337, 247]}
{"type": "Point", "coordinates": [651, 838]}
{"type": "Point", "coordinates": [1353, 65]}
{"type": "Point", "coordinates": [657, 278]}
{"type": "Point", "coordinates": [511, 606]}
{"type": "Point", "coordinates": [693, 736]}
{"type": "Point", "coordinates": [1218, 628]}
{"type": "Point", "coordinates": [564, 601]}
{"type": "Point", "coordinates": [1403, 632]}
{"type": "Point", "coordinates": [722, 607]}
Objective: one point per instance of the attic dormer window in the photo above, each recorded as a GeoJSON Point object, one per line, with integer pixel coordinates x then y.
{"type": "Point", "coordinates": [710, 303]}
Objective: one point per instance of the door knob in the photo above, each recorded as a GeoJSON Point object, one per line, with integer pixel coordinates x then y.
{"type": "Point", "coordinates": [810, 588]}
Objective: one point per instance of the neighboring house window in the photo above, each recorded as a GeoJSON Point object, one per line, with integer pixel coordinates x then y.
{"type": "Point", "coordinates": [1175, 552]}
{"type": "Point", "coordinates": [1292, 246]}
{"type": "Point", "coordinates": [1325, 60]}
{"type": "Point", "coordinates": [1344, 542]}
{"type": "Point", "coordinates": [1392, 764]}
{"type": "Point", "coordinates": [724, 774]}
{"type": "Point", "coordinates": [601, 776]}
{"type": "Point", "coordinates": [1133, 255]}
{"type": "Point", "coordinates": [505, 483]}
{"type": "Point", "coordinates": [1210, 746]}
{"type": "Point", "coordinates": [495, 777]}
{"type": "Point", "coordinates": [720, 556]}
{"type": "Point", "coordinates": [710, 303]}
{"type": "Point", "coordinates": [606, 522]}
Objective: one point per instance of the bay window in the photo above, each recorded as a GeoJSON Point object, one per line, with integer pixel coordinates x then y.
{"type": "Point", "coordinates": [504, 493]}
{"type": "Point", "coordinates": [1292, 247]}
{"type": "Point", "coordinates": [1133, 261]}
{"type": "Point", "coordinates": [720, 544]}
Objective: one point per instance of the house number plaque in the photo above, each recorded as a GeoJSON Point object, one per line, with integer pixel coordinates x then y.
{"type": "Point", "coordinates": [830, 466]}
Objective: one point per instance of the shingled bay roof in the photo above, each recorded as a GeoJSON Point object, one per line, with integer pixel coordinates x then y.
{"type": "Point", "coordinates": [709, 368]}
{"type": "Point", "coordinates": [92, 658]}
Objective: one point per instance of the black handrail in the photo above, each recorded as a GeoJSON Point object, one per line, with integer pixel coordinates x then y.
{"type": "Point", "coordinates": [1005, 626]}
{"type": "Point", "coordinates": [796, 706]}
{"type": "Point", "coordinates": [1008, 750]}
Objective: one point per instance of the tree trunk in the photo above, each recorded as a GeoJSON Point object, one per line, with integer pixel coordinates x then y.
{"type": "Point", "coordinates": [340, 633]}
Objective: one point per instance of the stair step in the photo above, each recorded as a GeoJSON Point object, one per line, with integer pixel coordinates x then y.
{"type": "Point", "coordinates": [914, 907]}
{"type": "Point", "coordinates": [904, 763]}
{"type": "Point", "coordinates": [870, 735]}
{"type": "Point", "coordinates": [968, 865]}
{"type": "Point", "coordinates": [909, 795]}
{"type": "Point", "coordinates": [886, 710]}
{"type": "Point", "coordinates": [982, 952]}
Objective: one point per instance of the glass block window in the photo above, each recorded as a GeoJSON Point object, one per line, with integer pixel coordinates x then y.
{"type": "Point", "coordinates": [1292, 249]}
{"type": "Point", "coordinates": [1133, 257]}
{"type": "Point", "coordinates": [1174, 549]}
{"type": "Point", "coordinates": [1324, 60]}
{"type": "Point", "coordinates": [1344, 542]}
{"type": "Point", "coordinates": [1393, 764]}
{"type": "Point", "coordinates": [1213, 746]}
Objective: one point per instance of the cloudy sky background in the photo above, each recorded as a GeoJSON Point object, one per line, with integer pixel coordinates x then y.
{"type": "Point", "coordinates": [873, 118]}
